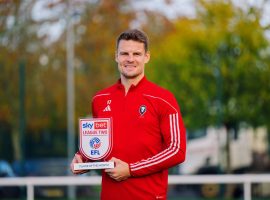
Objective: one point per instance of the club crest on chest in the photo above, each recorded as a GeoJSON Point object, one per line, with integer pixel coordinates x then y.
{"type": "Point", "coordinates": [142, 110]}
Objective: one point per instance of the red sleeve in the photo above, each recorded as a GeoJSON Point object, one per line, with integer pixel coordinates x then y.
{"type": "Point", "coordinates": [174, 136]}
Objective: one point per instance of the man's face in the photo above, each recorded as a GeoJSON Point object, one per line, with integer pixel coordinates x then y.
{"type": "Point", "coordinates": [131, 58]}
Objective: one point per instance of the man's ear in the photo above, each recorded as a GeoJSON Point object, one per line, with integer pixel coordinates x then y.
{"type": "Point", "coordinates": [147, 55]}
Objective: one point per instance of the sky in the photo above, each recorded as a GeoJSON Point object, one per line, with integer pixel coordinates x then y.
{"type": "Point", "coordinates": [172, 9]}
{"type": "Point", "coordinates": [186, 7]}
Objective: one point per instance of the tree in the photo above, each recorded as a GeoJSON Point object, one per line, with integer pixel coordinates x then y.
{"type": "Point", "coordinates": [15, 31]}
{"type": "Point", "coordinates": [216, 64]}
{"type": "Point", "coordinates": [24, 40]}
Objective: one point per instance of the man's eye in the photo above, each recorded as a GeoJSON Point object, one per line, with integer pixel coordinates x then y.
{"type": "Point", "coordinates": [123, 54]}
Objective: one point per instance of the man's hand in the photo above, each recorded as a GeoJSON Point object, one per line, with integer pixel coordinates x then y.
{"type": "Point", "coordinates": [77, 159]}
{"type": "Point", "coordinates": [120, 171]}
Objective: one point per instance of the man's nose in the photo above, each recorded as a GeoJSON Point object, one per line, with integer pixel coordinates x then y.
{"type": "Point", "coordinates": [130, 58]}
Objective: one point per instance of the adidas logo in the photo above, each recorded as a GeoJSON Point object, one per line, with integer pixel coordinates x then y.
{"type": "Point", "coordinates": [108, 108]}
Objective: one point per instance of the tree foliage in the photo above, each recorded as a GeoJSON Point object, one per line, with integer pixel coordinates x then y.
{"type": "Point", "coordinates": [216, 65]}
{"type": "Point", "coordinates": [95, 25]}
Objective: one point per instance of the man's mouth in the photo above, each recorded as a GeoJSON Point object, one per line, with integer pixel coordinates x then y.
{"type": "Point", "coordinates": [130, 66]}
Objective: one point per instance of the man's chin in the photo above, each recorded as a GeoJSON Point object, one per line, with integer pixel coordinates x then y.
{"type": "Point", "coordinates": [130, 76]}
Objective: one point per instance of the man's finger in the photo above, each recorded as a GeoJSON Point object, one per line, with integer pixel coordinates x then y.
{"type": "Point", "coordinates": [78, 158]}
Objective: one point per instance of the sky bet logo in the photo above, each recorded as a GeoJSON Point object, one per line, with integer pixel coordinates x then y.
{"type": "Point", "coordinates": [96, 125]}
{"type": "Point", "coordinates": [88, 125]}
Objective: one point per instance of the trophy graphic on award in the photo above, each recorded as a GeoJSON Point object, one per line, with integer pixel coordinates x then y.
{"type": "Point", "coordinates": [95, 143]}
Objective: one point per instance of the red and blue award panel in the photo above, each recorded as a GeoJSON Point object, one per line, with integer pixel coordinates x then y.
{"type": "Point", "coordinates": [95, 143]}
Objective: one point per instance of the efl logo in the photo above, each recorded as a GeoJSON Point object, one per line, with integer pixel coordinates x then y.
{"type": "Point", "coordinates": [100, 125]}
{"type": "Point", "coordinates": [95, 143]}
{"type": "Point", "coordinates": [95, 152]}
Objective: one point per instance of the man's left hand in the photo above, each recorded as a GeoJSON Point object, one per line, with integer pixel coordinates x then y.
{"type": "Point", "coordinates": [120, 171]}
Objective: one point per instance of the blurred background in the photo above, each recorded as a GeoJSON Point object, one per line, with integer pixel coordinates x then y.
{"type": "Point", "coordinates": [214, 55]}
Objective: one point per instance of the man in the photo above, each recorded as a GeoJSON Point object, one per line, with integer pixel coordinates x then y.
{"type": "Point", "coordinates": [148, 131]}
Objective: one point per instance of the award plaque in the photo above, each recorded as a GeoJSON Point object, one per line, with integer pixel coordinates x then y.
{"type": "Point", "coordinates": [95, 142]}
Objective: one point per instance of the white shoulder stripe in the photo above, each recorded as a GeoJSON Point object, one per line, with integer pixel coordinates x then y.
{"type": "Point", "coordinates": [155, 97]}
{"type": "Point", "coordinates": [98, 95]}
{"type": "Point", "coordinates": [167, 153]}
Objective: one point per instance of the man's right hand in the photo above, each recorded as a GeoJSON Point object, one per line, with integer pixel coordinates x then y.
{"type": "Point", "coordinates": [77, 159]}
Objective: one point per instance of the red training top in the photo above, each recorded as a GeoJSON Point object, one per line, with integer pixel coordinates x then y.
{"type": "Point", "coordinates": [148, 134]}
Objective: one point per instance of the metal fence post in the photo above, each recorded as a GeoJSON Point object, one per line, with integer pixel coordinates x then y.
{"type": "Point", "coordinates": [247, 190]}
{"type": "Point", "coordinates": [30, 192]}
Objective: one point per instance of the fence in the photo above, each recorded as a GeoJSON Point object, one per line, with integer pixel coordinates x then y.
{"type": "Point", "coordinates": [31, 182]}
